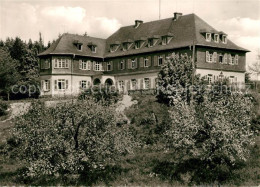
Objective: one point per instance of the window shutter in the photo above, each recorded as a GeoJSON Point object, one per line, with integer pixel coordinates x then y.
{"type": "Point", "coordinates": [164, 60]}
{"type": "Point", "coordinates": [230, 59]}
{"type": "Point", "coordinates": [89, 65]}
{"type": "Point", "coordinates": [142, 62]}
{"type": "Point", "coordinates": [80, 64]}
{"type": "Point", "coordinates": [55, 85]}
{"type": "Point", "coordinates": [150, 83]}
{"type": "Point", "coordinates": [128, 85]}
{"type": "Point", "coordinates": [67, 84]}
{"type": "Point", "coordinates": [94, 65]}
{"type": "Point", "coordinates": [215, 57]}
{"type": "Point", "coordinates": [42, 84]}
{"type": "Point", "coordinates": [142, 84]}
{"type": "Point", "coordinates": [104, 66]}
{"type": "Point", "coordinates": [207, 56]}
{"type": "Point", "coordinates": [149, 61]}
{"type": "Point", "coordinates": [225, 58]}
{"type": "Point", "coordinates": [155, 82]}
{"type": "Point", "coordinates": [111, 65]}
{"type": "Point", "coordinates": [129, 63]}
{"type": "Point", "coordinates": [80, 84]}
{"type": "Point", "coordinates": [54, 61]}
{"type": "Point", "coordinates": [49, 84]}
{"type": "Point", "coordinates": [119, 65]}
{"type": "Point", "coordinates": [67, 63]}
{"type": "Point", "coordinates": [136, 62]}
{"type": "Point", "coordinates": [236, 60]}
{"type": "Point", "coordinates": [155, 60]}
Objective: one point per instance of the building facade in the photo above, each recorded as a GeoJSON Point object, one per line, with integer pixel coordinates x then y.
{"type": "Point", "coordinates": [131, 58]}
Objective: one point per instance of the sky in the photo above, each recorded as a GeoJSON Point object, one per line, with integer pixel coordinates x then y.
{"type": "Point", "coordinates": [240, 19]}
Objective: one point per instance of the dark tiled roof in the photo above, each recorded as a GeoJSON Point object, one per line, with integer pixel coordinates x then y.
{"type": "Point", "coordinates": [66, 45]}
{"type": "Point", "coordinates": [184, 31]}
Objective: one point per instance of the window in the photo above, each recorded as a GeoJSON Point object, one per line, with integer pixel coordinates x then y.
{"type": "Point", "coordinates": [133, 63]}
{"type": "Point", "coordinates": [122, 65]}
{"type": "Point", "coordinates": [150, 42]}
{"type": "Point", "coordinates": [209, 77]}
{"type": "Point", "coordinates": [220, 58]}
{"type": "Point", "coordinates": [146, 62]}
{"type": "Point", "coordinates": [232, 79]}
{"type": "Point", "coordinates": [133, 84]}
{"type": "Point", "coordinates": [224, 39]}
{"type": "Point", "coordinates": [164, 40]}
{"type": "Point", "coordinates": [160, 60]}
{"type": "Point", "coordinates": [93, 49]}
{"type": "Point", "coordinates": [109, 66]}
{"type": "Point", "coordinates": [146, 83]}
{"type": "Point", "coordinates": [125, 46]}
{"type": "Point", "coordinates": [46, 85]}
{"type": "Point", "coordinates": [216, 38]}
{"type": "Point", "coordinates": [98, 66]}
{"type": "Point", "coordinates": [84, 65]}
{"type": "Point", "coordinates": [61, 84]}
{"type": "Point", "coordinates": [137, 44]}
{"type": "Point", "coordinates": [61, 63]}
{"type": "Point", "coordinates": [83, 84]}
{"type": "Point", "coordinates": [121, 85]}
{"type": "Point", "coordinates": [209, 57]}
{"type": "Point", "coordinates": [208, 37]}
{"type": "Point", "coordinates": [79, 46]}
{"type": "Point", "coordinates": [236, 59]}
{"type": "Point", "coordinates": [45, 64]}
{"type": "Point", "coordinates": [113, 47]}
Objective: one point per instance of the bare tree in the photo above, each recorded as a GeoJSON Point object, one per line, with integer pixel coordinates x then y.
{"type": "Point", "coordinates": [255, 67]}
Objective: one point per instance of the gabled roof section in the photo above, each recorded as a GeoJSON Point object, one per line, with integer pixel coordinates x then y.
{"type": "Point", "coordinates": [66, 45]}
{"type": "Point", "coordinates": [183, 32]}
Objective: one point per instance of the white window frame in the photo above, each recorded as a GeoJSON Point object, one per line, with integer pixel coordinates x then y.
{"type": "Point", "coordinates": [121, 85]}
{"type": "Point", "coordinates": [164, 40]}
{"type": "Point", "coordinates": [209, 78]}
{"type": "Point", "coordinates": [137, 44]}
{"type": "Point", "coordinates": [150, 42]}
{"type": "Point", "coordinates": [83, 84]}
{"type": "Point", "coordinates": [146, 62]}
{"type": "Point", "coordinates": [146, 83]}
{"type": "Point", "coordinates": [61, 63]}
{"type": "Point", "coordinates": [79, 47]}
{"type": "Point", "coordinates": [109, 64]}
{"type": "Point", "coordinates": [122, 64]}
{"type": "Point", "coordinates": [133, 63]}
{"type": "Point", "coordinates": [62, 84]}
{"type": "Point", "coordinates": [208, 37]}
{"type": "Point", "coordinates": [46, 85]}
{"type": "Point", "coordinates": [160, 58]}
{"type": "Point", "coordinates": [98, 66]}
{"type": "Point", "coordinates": [224, 39]}
{"type": "Point", "coordinates": [216, 38]}
{"type": "Point", "coordinates": [222, 57]}
{"type": "Point", "coordinates": [209, 57]}
{"type": "Point", "coordinates": [93, 49]}
{"type": "Point", "coordinates": [133, 84]}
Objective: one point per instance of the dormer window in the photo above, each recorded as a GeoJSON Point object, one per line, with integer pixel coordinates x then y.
{"type": "Point", "coordinates": [93, 49]}
{"type": "Point", "coordinates": [137, 44]}
{"type": "Point", "coordinates": [113, 47]}
{"type": "Point", "coordinates": [208, 37]}
{"type": "Point", "coordinates": [164, 40]}
{"type": "Point", "coordinates": [224, 39]}
{"type": "Point", "coordinates": [216, 38]}
{"type": "Point", "coordinates": [125, 46]}
{"type": "Point", "coordinates": [78, 44]}
{"type": "Point", "coordinates": [150, 42]}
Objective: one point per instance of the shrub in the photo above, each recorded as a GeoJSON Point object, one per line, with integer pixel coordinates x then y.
{"type": "Point", "coordinates": [3, 108]}
{"type": "Point", "coordinates": [69, 139]}
{"type": "Point", "coordinates": [217, 134]}
{"type": "Point", "coordinates": [105, 95]}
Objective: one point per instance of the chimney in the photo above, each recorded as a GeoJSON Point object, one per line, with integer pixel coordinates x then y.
{"type": "Point", "coordinates": [177, 15]}
{"type": "Point", "coordinates": [137, 23]}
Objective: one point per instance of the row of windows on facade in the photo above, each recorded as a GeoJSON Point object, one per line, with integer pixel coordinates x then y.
{"type": "Point", "coordinates": [140, 43]}
{"type": "Point", "coordinates": [99, 66]}
{"type": "Point", "coordinates": [62, 84]}
{"type": "Point", "coordinates": [212, 78]}
{"type": "Point", "coordinates": [213, 57]}
{"type": "Point", "coordinates": [215, 37]}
